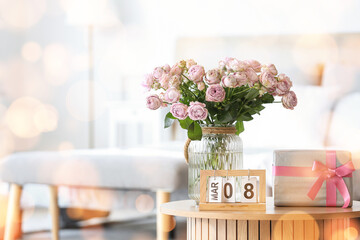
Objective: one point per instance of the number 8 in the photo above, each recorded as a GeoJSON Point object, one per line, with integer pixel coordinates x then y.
{"type": "Point", "coordinates": [249, 189]}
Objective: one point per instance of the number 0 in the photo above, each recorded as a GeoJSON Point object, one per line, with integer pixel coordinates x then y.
{"type": "Point", "coordinates": [226, 187]}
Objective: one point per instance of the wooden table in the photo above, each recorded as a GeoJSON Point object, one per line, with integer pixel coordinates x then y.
{"type": "Point", "coordinates": [305, 223]}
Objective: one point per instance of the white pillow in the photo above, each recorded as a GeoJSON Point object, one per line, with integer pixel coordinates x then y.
{"type": "Point", "coordinates": [344, 78]}
{"type": "Point", "coordinates": [303, 127]}
{"type": "Point", "coordinates": [344, 131]}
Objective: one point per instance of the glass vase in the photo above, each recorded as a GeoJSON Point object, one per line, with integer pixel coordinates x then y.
{"type": "Point", "coordinates": [219, 149]}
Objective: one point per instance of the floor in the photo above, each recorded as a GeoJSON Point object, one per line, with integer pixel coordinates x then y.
{"type": "Point", "coordinates": [144, 229]}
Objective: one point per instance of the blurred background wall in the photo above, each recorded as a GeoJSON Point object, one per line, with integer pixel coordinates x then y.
{"type": "Point", "coordinates": [44, 60]}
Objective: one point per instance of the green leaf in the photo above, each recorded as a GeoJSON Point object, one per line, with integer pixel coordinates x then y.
{"type": "Point", "coordinates": [253, 93]}
{"type": "Point", "coordinates": [225, 117]}
{"type": "Point", "coordinates": [239, 127]}
{"type": "Point", "coordinates": [267, 98]}
{"type": "Point", "coordinates": [194, 131]}
{"type": "Point", "coordinates": [256, 109]}
{"type": "Point", "coordinates": [245, 117]}
{"type": "Point", "coordinates": [169, 120]}
{"type": "Point", "coordinates": [186, 123]}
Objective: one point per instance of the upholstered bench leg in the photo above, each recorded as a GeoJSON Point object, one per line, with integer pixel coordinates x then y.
{"type": "Point", "coordinates": [13, 213]}
{"type": "Point", "coordinates": [162, 221]}
{"type": "Point", "coordinates": [54, 211]}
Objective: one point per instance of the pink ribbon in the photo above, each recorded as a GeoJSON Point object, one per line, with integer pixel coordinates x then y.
{"type": "Point", "coordinates": [333, 176]}
{"type": "Point", "coordinates": [334, 179]}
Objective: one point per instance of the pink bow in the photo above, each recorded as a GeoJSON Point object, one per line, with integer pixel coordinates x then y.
{"type": "Point", "coordinates": [334, 179]}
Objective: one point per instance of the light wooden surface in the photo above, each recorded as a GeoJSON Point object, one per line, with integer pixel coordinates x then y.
{"type": "Point", "coordinates": [221, 229]}
{"type": "Point", "coordinates": [260, 206]}
{"type": "Point", "coordinates": [242, 229]}
{"type": "Point", "coordinates": [282, 223]}
{"type": "Point", "coordinates": [13, 212]}
{"type": "Point", "coordinates": [54, 212]}
{"type": "Point", "coordinates": [162, 221]}
{"type": "Point", "coordinates": [265, 230]}
{"type": "Point", "coordinates": [253, 229]}
{"type": "Point", "coordinates": [188, 208]}
{"type": "Point", "coordinates": [232, 206]}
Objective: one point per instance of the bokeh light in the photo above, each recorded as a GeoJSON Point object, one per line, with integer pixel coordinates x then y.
{"type": "Point", "coordinates": [144, 203]}
{"type": "Point", "coordinates": [321, 48]}
{"type": "Point", "coordinates": [56, 59]}
{"type": "Point", "coordinates": [27, 117]}
{"type": "Point", "coordinates": [46, 118]}
{"type": "Point", "coordinates": [20, 117]}
{"type": "Point", "coordinates": [279, 223]}
{"type": "Point", "coordinates": [351, 233]}
{"type": "Point", "coordinates": [22, 14]}
{"type": "Point", "coordinates": [31, 51]}
{"type": "Point", "coordinates": [22, 78]}
{"type": "Point", "coordinates": [350, 50]}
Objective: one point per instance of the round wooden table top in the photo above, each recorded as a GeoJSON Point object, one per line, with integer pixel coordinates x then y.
{"type": "Point", "coordinates": [188, 208]}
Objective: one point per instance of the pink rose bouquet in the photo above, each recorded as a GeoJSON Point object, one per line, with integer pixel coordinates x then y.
{"type": "Point", "coordinates": [226, 95]}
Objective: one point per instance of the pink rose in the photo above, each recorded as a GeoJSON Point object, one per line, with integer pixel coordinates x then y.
{"type": "Point", "coordinates": [196, 73]}
{"type": "Point", "coordinates": [283, 86]}
{"type": "Point", "coordinates": [255, 65]}
{"type": "Point", "coordinates": [179, 110]}
{"type": "Point", "coordinates": [197, 111]}
{"type": "Point", "coordinates": [233, 64]}
{"type": "Point", "coordinates": [215, 93]}
{"type": "Point", "coordinates": [268, 81]}
{"type": "Point", "coordinates": [212, 77]}
{"type": "Point", "coordinates": [289, 100]}
{"type": "Point", "coordinates": [252, 77]}
{"type": "Point", "coordinates": [190, 62]}
{"type": "Point", "coordinates": [241, 79]}
{"type": "Point", "coordinates": [271, 68]}
{"type": "Point", "coordinates": [229, 81]}
{"type": "Point", "coordinates": [176, 70]}
{"type": "Point", "coordinates": [158, 72]}
{"type": "Point", "coordinates": [175, 81]}
{"type": "Point", "coordinates": [153, 102]}
{"type": "Point", "coordinates": [172, 95]}
{"type": "Point", "coordinates": [164, 81]}
{"type": "Point", "coordinates": [224, 63]}
{"type": "Point", "coordinates": [148, 81]}
{"type": "Point", "coordinates": [201, 86]}
{"type": "Point", "coordinates": [166, 68]}
{"type": "Point", "coordinates": [236, 65]}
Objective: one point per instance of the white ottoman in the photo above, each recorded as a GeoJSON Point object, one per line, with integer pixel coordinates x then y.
{"type": "Point", "coordinates": [149, 169]}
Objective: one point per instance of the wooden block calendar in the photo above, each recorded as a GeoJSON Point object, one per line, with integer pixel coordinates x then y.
{"type": "Point", "coordinates": [259, 205]}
